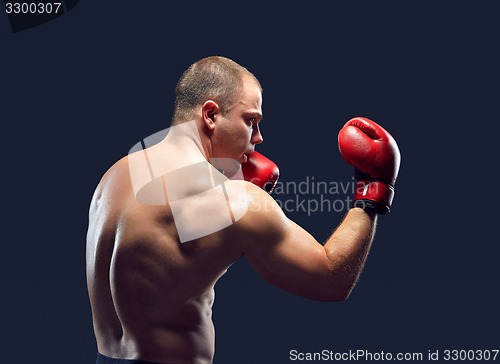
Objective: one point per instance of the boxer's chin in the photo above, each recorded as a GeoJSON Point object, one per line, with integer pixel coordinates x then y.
{"type": "Point", "coordinates": [243, 158]}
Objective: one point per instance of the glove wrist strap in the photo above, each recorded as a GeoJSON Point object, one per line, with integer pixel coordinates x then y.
{"type": "Point", "coordinates": [373, 194]}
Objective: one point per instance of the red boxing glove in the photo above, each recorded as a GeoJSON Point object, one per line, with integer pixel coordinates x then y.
{"type": "Point", "coordinates": [261, 171]}
{"type": "Point", "coordinates": [375, 155]}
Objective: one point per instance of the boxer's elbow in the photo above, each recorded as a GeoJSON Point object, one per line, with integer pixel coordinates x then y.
{"type": "Point", "coordinates": [339, 285]}
{"type": "Point", "coordinates": [339, 295]}
{"type": "Point", "coordinates": [333, 293]}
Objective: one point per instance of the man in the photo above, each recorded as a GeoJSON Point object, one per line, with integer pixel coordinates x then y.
{"type": "Point", "coordinates": [167, 221]}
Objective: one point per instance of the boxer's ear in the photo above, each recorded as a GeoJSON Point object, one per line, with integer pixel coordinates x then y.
{"type": "Point", "coordinates": [209, 112]}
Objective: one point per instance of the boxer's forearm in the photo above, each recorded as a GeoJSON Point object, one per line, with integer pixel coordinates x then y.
{"type": "Point", "coordinates": [348, 247]}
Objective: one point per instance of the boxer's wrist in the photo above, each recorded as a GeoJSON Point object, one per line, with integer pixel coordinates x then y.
{"type": "Point", "coordinates": [373, 194]}
{"type": "Point", "coordinates": [371, 206]}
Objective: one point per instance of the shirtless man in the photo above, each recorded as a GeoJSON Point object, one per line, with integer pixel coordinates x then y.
{"type": "Point", "coordinates": [167, 221]}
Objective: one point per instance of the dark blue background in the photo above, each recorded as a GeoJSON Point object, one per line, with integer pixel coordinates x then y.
{"type": "Point", "coordinates": [78, 92]}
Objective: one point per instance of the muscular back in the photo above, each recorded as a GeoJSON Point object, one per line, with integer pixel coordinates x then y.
{"type": "Point", "coordinates": [151, 290]}
{"type": "Point", "coordinates": [151, 295]}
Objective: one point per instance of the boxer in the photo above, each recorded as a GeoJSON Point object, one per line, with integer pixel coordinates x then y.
{"type": "Point", "coordinates": [166, 222]}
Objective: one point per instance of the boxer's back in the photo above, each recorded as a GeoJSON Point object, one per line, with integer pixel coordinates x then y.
{"type": "Point", "coordinates": [151, 295]}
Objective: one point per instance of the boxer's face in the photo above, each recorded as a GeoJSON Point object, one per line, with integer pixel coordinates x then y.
{"type": "Point", "coordinates": [238, 131]}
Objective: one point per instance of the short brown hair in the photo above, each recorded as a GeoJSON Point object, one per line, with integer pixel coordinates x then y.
{"type": "Point", "coordinates": [211, 78]}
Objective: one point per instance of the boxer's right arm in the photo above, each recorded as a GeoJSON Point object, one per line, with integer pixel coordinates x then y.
{"type": "Point", "coordinates": [288, 256]}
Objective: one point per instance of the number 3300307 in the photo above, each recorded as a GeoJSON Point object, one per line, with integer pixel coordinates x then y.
{"type": "Point", "coordinates": [32, 8]}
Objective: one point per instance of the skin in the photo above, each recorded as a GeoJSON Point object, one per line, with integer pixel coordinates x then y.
{"type": "Point", "coordinates": [152, 296]}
